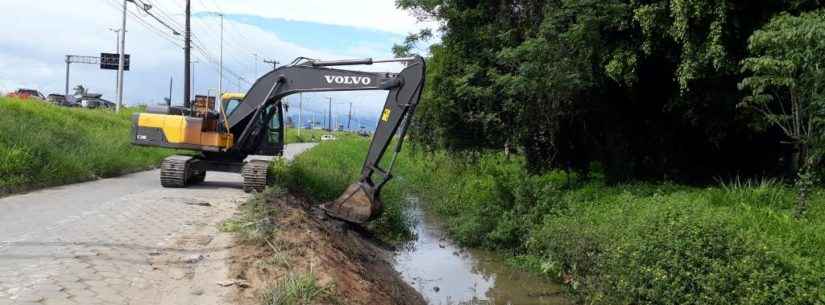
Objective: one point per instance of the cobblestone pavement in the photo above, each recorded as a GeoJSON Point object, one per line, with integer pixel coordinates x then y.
{"type": "Point", "coordinates": [122, 240]}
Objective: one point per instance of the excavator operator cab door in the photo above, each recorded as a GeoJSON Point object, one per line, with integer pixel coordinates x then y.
{"type": "Point", "coordinates": [273, 142]}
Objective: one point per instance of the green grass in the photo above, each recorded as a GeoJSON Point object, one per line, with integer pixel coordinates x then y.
{"type": "Point", "coordinates": [325, 171]}
{"type": "Point", "coordinates": [44, 145]}
{"type": "Point", "coordinates": [299, 289]}
{"type": "Point", "coordinates": [639, 243]}
{"type": "Point", "coordinates": [294, 135]}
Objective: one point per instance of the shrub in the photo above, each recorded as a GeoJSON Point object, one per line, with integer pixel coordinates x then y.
{"type": "Point", "coordinates": [641, 243]}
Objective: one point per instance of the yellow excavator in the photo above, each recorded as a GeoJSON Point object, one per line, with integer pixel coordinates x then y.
{"type": "Point", "coordinates": [248, 129]}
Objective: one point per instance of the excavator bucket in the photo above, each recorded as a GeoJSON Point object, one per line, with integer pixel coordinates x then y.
{"type": "Point", "coordinates": [358, 204]}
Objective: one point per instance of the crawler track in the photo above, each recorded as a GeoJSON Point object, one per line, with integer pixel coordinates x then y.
{"type": "Point", "coordinates": [254, 175]}
{"type": "Point", "coordinates": [174, 171]}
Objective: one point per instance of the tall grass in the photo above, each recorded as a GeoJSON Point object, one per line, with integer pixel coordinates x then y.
{"type": "Point", "coordinates": [325, 171]}
{"type": "Point", "coordinates": [299, 289]}
{"type": "Point", "coordinates": [639, 243]}
{"type": "Point", "coordinates": [43, 145]}
{"type": "Point", "coordinates": [642, 243]}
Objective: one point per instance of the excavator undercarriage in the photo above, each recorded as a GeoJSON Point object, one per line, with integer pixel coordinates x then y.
{"type": "Point", "coordinates": [244, 137]}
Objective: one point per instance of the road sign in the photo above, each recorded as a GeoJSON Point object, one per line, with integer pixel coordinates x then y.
{"type": "Point", "coordinates": [110, 61]}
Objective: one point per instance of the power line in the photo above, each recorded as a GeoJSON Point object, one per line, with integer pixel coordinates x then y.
{"type": "Point", "coordinates": [145, 8]}
{"type": "Point", "coordinates": [154, 30]}
{"type": "Point", "coordinates": [170, 24]}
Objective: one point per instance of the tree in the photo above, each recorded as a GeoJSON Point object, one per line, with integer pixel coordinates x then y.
{"type": "Point", "coordinates": [648, 89]}
{"type": "Point", "coordinates": [786, 86]}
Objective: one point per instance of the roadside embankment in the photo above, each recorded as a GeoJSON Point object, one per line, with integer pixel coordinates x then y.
{"type": "Point", "coordinates": [652, 243]}
{"type": "Point", "coordinates": [322, 173]}
{"type": "Point", "coordinates": [45, 145]}
{"type": "Point", "coordinates": [292, 254]}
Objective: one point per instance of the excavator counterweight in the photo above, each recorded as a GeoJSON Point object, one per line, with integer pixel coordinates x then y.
{"type": "Point", "coordinates": [234, 138]}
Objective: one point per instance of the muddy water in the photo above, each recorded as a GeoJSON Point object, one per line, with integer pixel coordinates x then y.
{"type": "Point", "coordinates": [447, 274]}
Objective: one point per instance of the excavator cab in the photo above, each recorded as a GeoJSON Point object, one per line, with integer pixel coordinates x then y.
{"type": "Point", "coordinates": [273, 142]}
{"type": "Point", "coordinates": [248, 130]}
{"type": "Point", "coordinates": [272, 119]}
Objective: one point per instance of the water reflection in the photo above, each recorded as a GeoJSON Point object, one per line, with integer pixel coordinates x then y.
{"type": "Point", "coordinates": [446, 274]}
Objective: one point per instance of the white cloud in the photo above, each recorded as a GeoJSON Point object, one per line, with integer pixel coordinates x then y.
{"type": "Point", "coordinates": [372, 14]}
{"type": "Point", "coordinates": [37, 35]}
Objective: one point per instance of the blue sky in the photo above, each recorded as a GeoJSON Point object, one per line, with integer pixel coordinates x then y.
{"type": "Point", "coordinates": [32, 54]}
{"type": "Point", "coordinates": [327, 37]}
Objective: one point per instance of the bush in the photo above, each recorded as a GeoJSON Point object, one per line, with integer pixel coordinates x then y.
{"type": "Point", "coordinates": [642, 243]}
{"type": "Point", "coordinates": [43, 145]}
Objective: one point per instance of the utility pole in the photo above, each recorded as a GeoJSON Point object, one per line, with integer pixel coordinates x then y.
{"type": "Point", "coordinates": [349, 118]}
{"type": "Point", "coordinates": [300, 112]}
{"type": "Point", "coordinates": [194, 90]}
{"type": "Point", "coordinates": [329, 121]}
{"type": "Point", "coordinates": [273, 62]}
{"type": "Point", "coordinates": [121, 60]}
{"type": "Point", "coordinates": [117, 51]}
{"type": "Point", "coordinates": [169, 101]}
{"type": "Point", "coordinates": [220, 76]}
{"type": "Point", "coordinates": [187, 49]}
{"type": "Point", "coordinates": [68, 68]}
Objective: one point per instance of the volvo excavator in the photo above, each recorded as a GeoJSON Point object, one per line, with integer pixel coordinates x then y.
{"type": "Point", "coordinates": [234, 138]}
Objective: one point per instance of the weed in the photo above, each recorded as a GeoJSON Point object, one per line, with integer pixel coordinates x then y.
{"type": "Point", "coordinates": [299, 289]}
{"type": "Point", "coordinates": [278, 259]}
{"type": "Point", "coordinates": [254, 221]}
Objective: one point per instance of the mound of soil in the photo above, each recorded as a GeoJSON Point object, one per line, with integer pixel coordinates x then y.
{"type": "Point", "coordinates": [336, 253]}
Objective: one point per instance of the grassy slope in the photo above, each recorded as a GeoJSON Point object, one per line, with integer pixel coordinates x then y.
{"type": "Point", "coordinates": [313, 135]}
{"type": "Point", "coordinates": [627, 244]}
{"type": "Point", "coordinates": [323, 173]}
{"type": "Point", "coordinates": [44, 145]}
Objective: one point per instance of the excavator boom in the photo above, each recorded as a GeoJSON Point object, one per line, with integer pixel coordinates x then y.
{"type": "Point", "coordinates": [361, 201]}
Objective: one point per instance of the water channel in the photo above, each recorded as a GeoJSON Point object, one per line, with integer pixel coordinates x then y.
{"type": "Point", "coordinates": [445, 273]}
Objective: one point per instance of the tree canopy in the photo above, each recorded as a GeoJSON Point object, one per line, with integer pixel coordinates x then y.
{"type": "Point", "coordinates": [644, 88]}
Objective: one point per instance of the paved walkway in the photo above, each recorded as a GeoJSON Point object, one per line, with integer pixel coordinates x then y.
{"type": "Point", "coordinates": [122, 240]}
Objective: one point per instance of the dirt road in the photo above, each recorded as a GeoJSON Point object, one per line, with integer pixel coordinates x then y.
{"type": "Point", "coordinates": [123, 240]}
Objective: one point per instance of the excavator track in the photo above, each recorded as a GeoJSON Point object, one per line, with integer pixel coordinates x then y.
{"type": "Point", "coordinates": [179, 171]}
{"type": "Point", "coordinates": [254, 175]}
{"type": "Point", "coordinates": [173, 171]}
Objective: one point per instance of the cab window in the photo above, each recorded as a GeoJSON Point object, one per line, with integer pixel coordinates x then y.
{"type": "Point", "coordinates": [231, 106]}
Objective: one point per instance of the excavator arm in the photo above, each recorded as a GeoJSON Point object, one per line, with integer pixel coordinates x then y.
{"type": "Point", "coordinates": [361, 200]}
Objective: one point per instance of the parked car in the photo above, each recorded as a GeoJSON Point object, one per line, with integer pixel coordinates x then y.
{"type": "Point", "coordinates": [23, 93]}
{"type": "Point", "coordinates": [95, 101]}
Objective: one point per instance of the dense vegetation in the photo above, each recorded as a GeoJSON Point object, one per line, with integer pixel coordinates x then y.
{"type": "Point", "coordinates": [648, 89]}
{"type": "Point", "coordinates": [647, 145]}
{"type": "Point", "coordinates": [640, 243]}
{"type": "Point", "coordinates": [44, 145]}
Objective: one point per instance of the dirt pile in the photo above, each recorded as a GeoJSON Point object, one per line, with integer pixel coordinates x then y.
{"type": "Point", "coordinates": [310, 254]}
